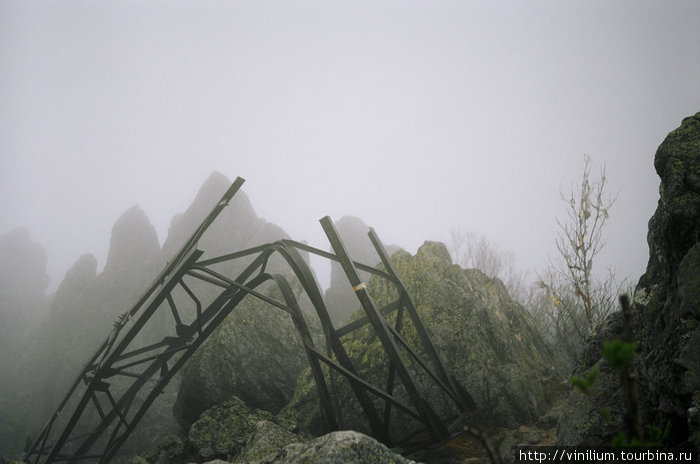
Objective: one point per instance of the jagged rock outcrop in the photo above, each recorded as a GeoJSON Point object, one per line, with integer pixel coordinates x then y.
{"type": "Point", "coordinates": [133, 246]}
{"type": "Point", "coordinates": [23, 274]}
{"type": "Point", "coordinates": [340, 299]}
{"type": "Point", "coordinates": [23, 304]}
{"type": "Point", "coordinates": [82, 312]}
{"type": "Point", "coordinates": [256, 354]}
{"type": "Point", "coordinates": [238, 226]}
{"type": "Point", "coordinates": [23, 284]}
{"type": "Point", "coordinates": [86, 305]}
{"type": "Point", "coordinates": [484, 338]}
{"type": "Point", "coordinates": [667, 313]}
{"type": "Point", "coordinates": [668, 295]}
{"type": "Point", "coordinates": [80, 317]}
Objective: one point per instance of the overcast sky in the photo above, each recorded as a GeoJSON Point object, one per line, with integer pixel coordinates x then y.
{"type": "Point", "coordinates": [417, 116]}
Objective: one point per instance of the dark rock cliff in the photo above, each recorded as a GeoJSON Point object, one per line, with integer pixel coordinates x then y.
{"type": "Point", "coordinates": [667, 314]}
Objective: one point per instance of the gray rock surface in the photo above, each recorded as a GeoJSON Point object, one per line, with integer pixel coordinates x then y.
{"type": "Point", "coordinates": [484, 338]}
{"type": "Point", "coordinates": [256, 354]}
{"type": "Point", "coordinates": [268, 439]}
{"type": "Point", "coordinates": [233, 431]}
{"type": "Point", "coordinates": [339, 448]}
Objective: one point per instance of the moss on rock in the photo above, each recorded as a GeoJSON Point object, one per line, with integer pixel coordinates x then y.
{"type": "Point", "coordinates": [268, 439]}
{"type": "Point", "coordinates": [484, 338]}
{"type": "Point", "coordinates": [224, 429]}
{"type": "Point", "coordinates": [256, 355]}
{"type": "Point", "coordinates": [340, 448]}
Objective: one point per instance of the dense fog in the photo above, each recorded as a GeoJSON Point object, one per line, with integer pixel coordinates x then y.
{"type": "Point", "coordinates": [463, 123]}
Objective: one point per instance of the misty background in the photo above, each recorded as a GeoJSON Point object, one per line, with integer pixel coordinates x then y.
{"type": "Point", "coordinates": [418, 117]}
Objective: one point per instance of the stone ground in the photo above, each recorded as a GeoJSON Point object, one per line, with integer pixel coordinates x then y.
{"type": "Point", "coordinates": [467, 449]}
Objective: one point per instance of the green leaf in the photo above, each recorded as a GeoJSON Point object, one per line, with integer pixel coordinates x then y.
{"type": "Point", "coordinates": [585, 384]}
{"type": "Point", "coordinates": [619, 354]}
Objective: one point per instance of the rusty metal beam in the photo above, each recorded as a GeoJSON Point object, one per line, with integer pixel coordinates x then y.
{"type": "Point", "coordinates": [436, 428]}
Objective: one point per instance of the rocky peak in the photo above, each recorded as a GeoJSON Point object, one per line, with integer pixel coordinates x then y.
{"type": "Point", "coordinates": [78, 279]}
{"type": "Point", "coordinates": [675, 226]}
{"type": "Point", "coordinates": [434, 253]}
{"type": "Point", "coordinates": [237, 227]}
{"type": "Point", "coordinates": [208, 194]}
{"type": "Point", "coordinates": [22, 266]}
{"type": "Point", "coordinates": [134, 242]}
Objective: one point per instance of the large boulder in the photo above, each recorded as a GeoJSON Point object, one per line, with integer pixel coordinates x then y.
{"type": "Point", "coordinates": [484, 338]}
{"type": "Point", "coordinates": [256, 355]}
{"type": "Point", "coordinates": [338, 448]}
{"type": "Point", "coordinates": [231, 431]}
{"type": "Point", "coordinates": [223, 430]}
{"type": "Point", "coordinates": [667, 314]}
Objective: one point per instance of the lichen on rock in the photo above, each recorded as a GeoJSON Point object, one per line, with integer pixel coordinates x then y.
{"type": "Point", "coordinates": [232, 430]}
{"type": "Point", "coordinates": [484, 338]}
{"type": "Point", "coordinates": [340, 447]}
{"type": "Point", "coordinates": [256, 354]}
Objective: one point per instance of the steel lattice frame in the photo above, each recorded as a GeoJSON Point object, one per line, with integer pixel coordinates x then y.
{"type": "Point", "coordinates": [96, 416]}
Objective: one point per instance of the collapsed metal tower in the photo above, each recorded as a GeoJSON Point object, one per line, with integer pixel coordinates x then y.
{"type": "Point", "coordinates": [124, 376]}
